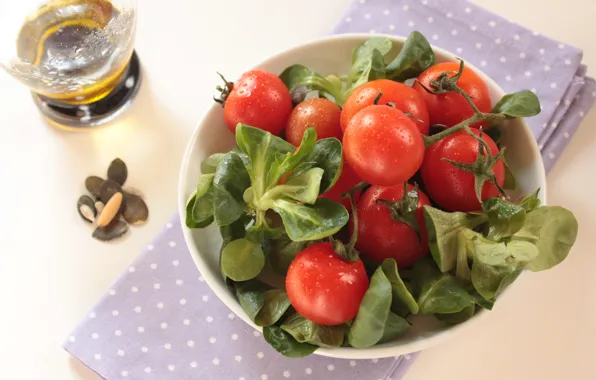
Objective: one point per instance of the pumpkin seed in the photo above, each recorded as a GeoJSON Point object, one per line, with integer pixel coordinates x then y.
{"type": "Point", "coordinates": [112, 231]}
{"type": "Point", "coordinates": [117, 171]}
{"type": "Point", "coordinates": [108, 189]}
{"type": "Point", "coordinates": [135, 210]}
{"type": "Point", "coordinates": [108, 201]}
{"type": "Point", "coordinates": [99, 205]}
{"type": "Point", "coordinates": [132, 190]}
{"type": "Point", "coordinates": [86, 208]}
{"type": "Point", "coordinates": [110, 210]}
{"type": "Point", "coordinates": [93, 184]}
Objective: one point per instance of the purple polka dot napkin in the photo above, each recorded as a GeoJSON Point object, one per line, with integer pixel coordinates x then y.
{"type": "Point", "coordinates": [159, 320]}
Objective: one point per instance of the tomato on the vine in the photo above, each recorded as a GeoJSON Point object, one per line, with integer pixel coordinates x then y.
{"type": "Point", "coordinates": [452, 108]}
{"type": "Point", "coordinates": [346, 181]}
{"type": "Point", "coordinates": [451, 187]}
{"type": "Point", "coordinates": [402, 96]}
{"type": "Point", "coordinates": [321, 114]}
{"type": "Point", "coordinates": [385, 233]}
{"type": "Point", "coordinates": [383, 145]}
{"type": "Point", "coordinates": [323, 287]}
{"type": "Point", "coordinates": [258, 98]}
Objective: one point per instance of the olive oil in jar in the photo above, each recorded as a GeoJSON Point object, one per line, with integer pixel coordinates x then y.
{"type": "Point", "coordinates": [76, 51]}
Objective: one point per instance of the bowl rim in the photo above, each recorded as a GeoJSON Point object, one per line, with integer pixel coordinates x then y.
{"type": "Point", "coordinates": [221, 290]}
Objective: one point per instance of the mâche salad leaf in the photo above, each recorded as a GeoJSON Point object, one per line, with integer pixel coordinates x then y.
{"type": "Point", "coordinates": [370, 61]}
{"type": "Point", "coordinates": [369, 324]}
{"type": "Point", "coordinates": [531, 201]}
{"type": "Point", "coordinates": [511, 253]}
{"type": "Point", "coordinates": [305, 331]}
{"type": "Point", "coordinates": [202, 210]}
{"type": "Point", "coordinates": [553, 230]}
{"type": "Point", "coordinates": [505, 218]}
{"type": "Point", "coordinates": [275, 304]}
{"type": "Point", "coordinates": [416, 56]}
{"type": "Point", "coordinates": [209, 165]}
{"type": "Point", "coordinates": [305, 217]}
{"type": "Point", "coordinates": [436, 292]}
{"type": "Point", "coordinates": [495, 264]}
{"type": "Point", "coordinates": [459, 317]}
{"type": "Point", "coordinates": [264, 152]}
{"type": "Point", "coordinates": [229, 184]}
{"type": "Point", "coordinates": [375, 322]}
{"type": "Point", "coordinates": [190, 220]}
{"type": "Point", "coordinates": [327, 155]}
{"type": "Point", "coordinates": [520, 104]}
{"type": "Point", "coordinates": [395, 326]}
{"type": "Point", "coordinates": [300, 75]}
{"type": "Point", "coordinates": [263, 304]}
{"type": "Point", "coordinates": [303, 188]}
{"type": "Point", "coordinates": [282, 251]}
{"type": "Point", "coordinates": [251, 295]}
{"type": "Point", "coordinates": [242, 259]}
{"type": "Point", "coordinates": [236, 230]}
{"type": "Point", "coordinates": [311, 222]}
{"type": "Point", "coordinates": [443, 232]}
{"type": "Point", "coordinates": [402, 303]}
{"type": "Point", "coordinates": [489, 281]}
{"type": "Point", "coordinates": [285, 343]}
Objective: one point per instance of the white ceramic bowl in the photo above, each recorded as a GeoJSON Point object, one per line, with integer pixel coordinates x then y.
{"type": "Point", "coordinates": [331, 55]}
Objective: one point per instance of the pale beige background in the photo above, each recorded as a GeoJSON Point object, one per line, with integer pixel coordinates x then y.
{"type": "Point", "coordinates": [51, 272]}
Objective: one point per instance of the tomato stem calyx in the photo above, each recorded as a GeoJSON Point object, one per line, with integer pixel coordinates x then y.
{"type": "Point", "coordinates": [224, 91]}
{"type": "Point", "coordinates": [356, 189]}
{"type": "Point", "coordinates": [378, 97]}
{"type": "Point", "coordinates": [482, 168]}
{"type": "Point", "coordinates": [404, 210]}
{"type": "Point", "coordinates": [412, 116]}
{"type": "Point", "coordinates": [444, 83]}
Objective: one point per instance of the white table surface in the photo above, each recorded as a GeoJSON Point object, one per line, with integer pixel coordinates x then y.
{"type": "Point", "coordinates": [52, 271]}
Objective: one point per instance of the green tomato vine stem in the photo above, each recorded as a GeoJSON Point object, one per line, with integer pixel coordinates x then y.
{"type": "Point", "coordinates": [443, 84]}
{"type": "Point", "coordinates": [224, 91]}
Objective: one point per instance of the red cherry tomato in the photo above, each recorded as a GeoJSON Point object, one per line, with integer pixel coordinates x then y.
{"type": "Point", "coordinates": [404, 97]}
{"type": "Point", "coordinates": [324, 288]}
{"type": "Point", "coordinates": [380, 237]}
{"type": "Point", "coordinates": [321, 114]}
{"type": "Point", "coordinates": [453, 188]}
{"type": "Point", "coordinates": [346, 181]}
{"type": "Point", "coordinates": [383, 145]}
{"type": "Point", "coordinates": [451, 108]}
{"type": "Point", "coordinates": [259, 99]}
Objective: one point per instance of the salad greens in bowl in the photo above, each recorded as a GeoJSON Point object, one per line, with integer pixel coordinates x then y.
{"type": "Point", "coordinates": [366, 196]}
